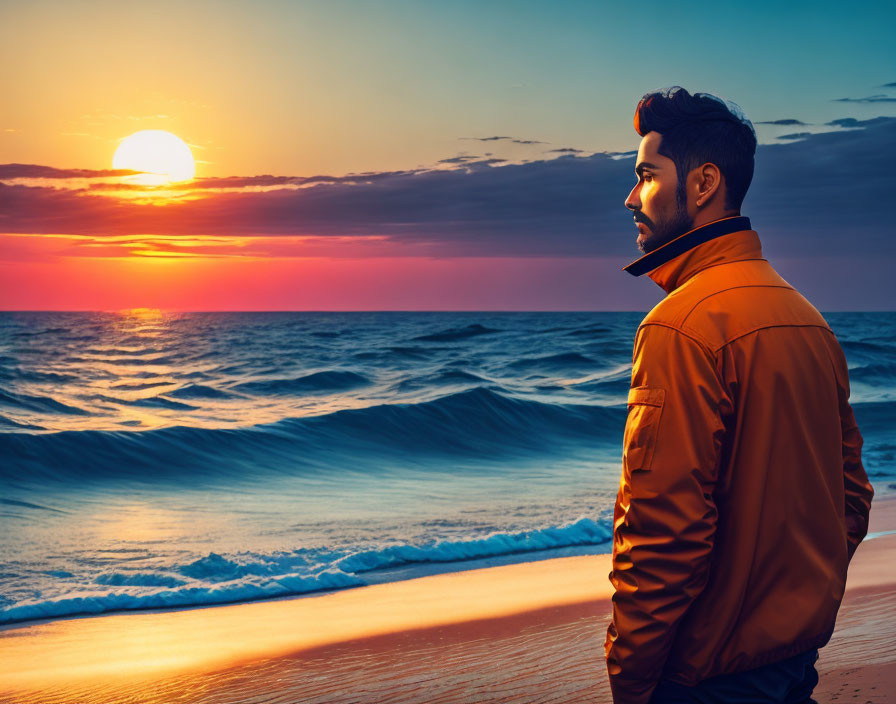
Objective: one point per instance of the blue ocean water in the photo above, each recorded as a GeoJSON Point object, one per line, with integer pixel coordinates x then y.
{"type": "Point", "coordinates": [152, 459]}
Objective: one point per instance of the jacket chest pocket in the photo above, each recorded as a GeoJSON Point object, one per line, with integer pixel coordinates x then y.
{"type": "Point", "coordinates": [645, 405]}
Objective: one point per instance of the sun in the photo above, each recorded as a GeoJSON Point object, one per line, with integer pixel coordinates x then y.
{"type": "Point", "coordinates": [165, 158]}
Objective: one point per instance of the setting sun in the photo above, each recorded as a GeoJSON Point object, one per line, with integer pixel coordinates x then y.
{"type": "Point", "coordinates": [163, 157]}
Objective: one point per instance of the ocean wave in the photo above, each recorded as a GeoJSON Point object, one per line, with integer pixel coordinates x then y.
{"type": "Point", "coordinates": [454, 334]}
{"type": "Point", "coordinates": [443, 377]}
{"type": "Point", "coordinates": [138, 579]}
{"type": "Point", "coordinates": [873, 373]}
{"type": "Point", "coordinates": [32, 376]}
{"type": "Point", "coordinates": [875, 418]}
{"type": "Point", "coordinates": [477, 422]}
{"type": "Point", "coordinates": [142, 386]}
{"type": "Point", "coordinates": [133, 597]}
{"type": "Point", "coordinates": [411, 352]}
{"type": "Point", "coordinates": [217, 579]}
{"type": "Point", "coordinates": [575, 330]}
{"type": "Point", "coordinates": [318, 382]}
{"type": "Point", "coordinates": [584, 531]}
{"type": "Point", "coordinates": [39, 404]}
{"type": "Point", "coordinates": [554, 362]}
{"type": "Point", "coordinates": [35, 333]}
{"type": "Point", "coordinates": [10, 423]}
{"type": "Point", "coordinates": [851, 346]}
{"type": "Point", "coordinates": [160, 402]}
{"type": "Point", "coordinates": [199, 391]}
{"type": "Point", "coordinates": [161, 360]}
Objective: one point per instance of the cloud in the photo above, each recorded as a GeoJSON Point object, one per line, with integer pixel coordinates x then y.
{"type": "Point", "coordinates": [879, 98]}
{"type": "Point", "coordinates": [808, 197]}
{"type": "Point", "coordinates": [514, 140]}
{"type": "Point", "coordinates": [566, 150]}
{"type": "Point", "coordinates": [888, 85]}
{"type": "Point", "coordinates": [814, 196]}
{"type": "Point", "coordinates": [485, 162]}
{"type": "Point", "coordinates": [794, 135]}
{"type": "Point", "coordinates": [853, 122]}
{"type": "Point", "coordinates": [458, 159]}
{"type": "Point", "coordinates": [487, 139]}
{"type": "Point", "coordinates": [785, 121]}
{"type": "Point", "coordinates": [35, 171]}
{"type": "Point", "coordinates": [10, 171]}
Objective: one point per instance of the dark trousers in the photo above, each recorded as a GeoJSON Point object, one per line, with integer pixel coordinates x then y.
{"type": "Point", "coordinates": [789, 681]}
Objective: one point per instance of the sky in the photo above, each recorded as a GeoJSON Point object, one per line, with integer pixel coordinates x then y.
{"type": "Point", "coordinates": [423, 155]}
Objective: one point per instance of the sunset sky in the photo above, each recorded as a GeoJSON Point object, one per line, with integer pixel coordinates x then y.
{"type": "Point", "coordinates": [423, 155]}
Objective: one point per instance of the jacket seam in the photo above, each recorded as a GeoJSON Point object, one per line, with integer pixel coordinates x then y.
{"type": "Point", "coordinates": [769, 325]}
{"type": "Point", "coordinates": [730, 288]}
{"type": "Point", "coordinates": [693, 336]}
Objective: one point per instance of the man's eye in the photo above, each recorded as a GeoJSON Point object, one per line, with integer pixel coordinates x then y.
{"type": "Point", "coordinates": [648, 177]}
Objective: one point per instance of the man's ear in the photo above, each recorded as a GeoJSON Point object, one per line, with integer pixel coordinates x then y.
{"type": "Point", "coordinates": [709, 180]}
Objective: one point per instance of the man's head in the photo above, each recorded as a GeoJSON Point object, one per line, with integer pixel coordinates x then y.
{"type": "Point", "coordinates": [694, 164]}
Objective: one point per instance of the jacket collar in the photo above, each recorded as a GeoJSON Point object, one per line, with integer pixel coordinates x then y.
{"type": "Point", "coordinates": [674, 262]}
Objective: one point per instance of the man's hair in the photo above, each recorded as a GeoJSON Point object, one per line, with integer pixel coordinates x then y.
{"type": "Point", "coordinates": [697, 129]}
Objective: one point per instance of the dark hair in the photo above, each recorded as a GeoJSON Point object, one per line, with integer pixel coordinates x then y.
{"type": "Point", "coordinates": [697, 129]}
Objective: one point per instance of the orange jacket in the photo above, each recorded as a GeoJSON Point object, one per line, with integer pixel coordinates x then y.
{"type": "Point", "coordinates": [743, 495]}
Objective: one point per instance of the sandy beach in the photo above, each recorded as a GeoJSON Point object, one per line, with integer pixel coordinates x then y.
{"type": "Point", "coordinates": [528, 632]}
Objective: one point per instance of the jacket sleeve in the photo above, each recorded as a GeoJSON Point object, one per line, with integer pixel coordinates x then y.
{"type": "Point", "coordinates": [665, 515]}
{"type": "Point", "coordinates": [858, 491]}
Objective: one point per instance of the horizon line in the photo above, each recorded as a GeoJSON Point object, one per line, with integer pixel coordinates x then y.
{"type": "Point", "coordinates": [374, 310]}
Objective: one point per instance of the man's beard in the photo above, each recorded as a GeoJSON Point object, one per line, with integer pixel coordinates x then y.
{"type": "Point", "coordinates": [665, 230]}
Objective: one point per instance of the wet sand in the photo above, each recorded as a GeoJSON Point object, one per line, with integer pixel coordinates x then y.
{"type": "Point", "coordinates": [531, 632]}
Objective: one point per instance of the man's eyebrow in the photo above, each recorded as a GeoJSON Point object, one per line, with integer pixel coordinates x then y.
{"type": "Point", "coordinates": [645, 165]}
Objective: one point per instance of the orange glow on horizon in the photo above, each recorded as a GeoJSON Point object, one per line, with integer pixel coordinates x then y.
{"type": "Point", "coordinates": [141, 312]}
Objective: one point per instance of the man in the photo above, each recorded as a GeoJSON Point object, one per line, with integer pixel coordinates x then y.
{"type": "Point", "coordinates": [743, 496]}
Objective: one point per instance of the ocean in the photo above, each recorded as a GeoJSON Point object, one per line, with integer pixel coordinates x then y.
{"type": "Point", "coordinates": [156, 460]}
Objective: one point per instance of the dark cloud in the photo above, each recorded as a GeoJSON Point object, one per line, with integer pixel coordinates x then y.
{"type": "Point", "coordinates": [484, 162]}
{"type": "Point", "coordinates": [879, 98]}
{"type": "Point", "coordinates": [785, 121]}
{"type": "Point", "coordinates": [853, 122]}
{"type": "Point", "coordinates": [509, 139]}
{"type": "Point", "coordinates": [566, 150]}
{"type": "Point", "coordinates": [263, 181]}
{"type": "Point", "coordinates": [889, 85]}
{"type": "Point", "coordinates": [9, 171]}
{"type": "Point", "coordinates": [486, 139]}
{"type": "Point", "coordinates": [538, 208]}
{"type": "Point", "coordinates": [458, 159]}
{"type": "Point", "coordinates": [794, 135]}
{"type": "Point", "coordinates": [828, 193]}
{"type": "Point", "coordinates": [808, 198]}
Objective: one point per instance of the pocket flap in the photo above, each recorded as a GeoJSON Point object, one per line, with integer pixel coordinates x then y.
{"type": "Point", "coordinates": [647, 395]}
{"type": "Point", "coordinates": [645, 406]}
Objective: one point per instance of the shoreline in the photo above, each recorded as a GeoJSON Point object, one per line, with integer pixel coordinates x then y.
{"type": "Point", "coordinates": [535, 625]}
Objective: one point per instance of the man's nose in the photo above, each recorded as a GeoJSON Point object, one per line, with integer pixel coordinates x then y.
{"type": "Point", "coordinates": [633, 202]}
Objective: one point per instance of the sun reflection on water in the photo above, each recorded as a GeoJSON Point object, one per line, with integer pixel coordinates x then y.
{"type": "Point", "coordinates": [146, 368]}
